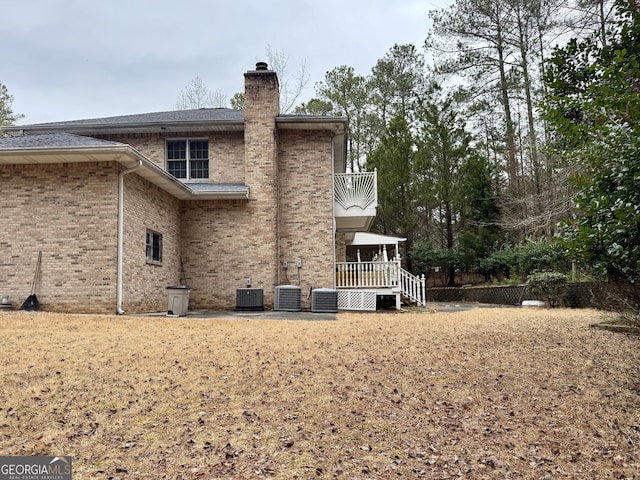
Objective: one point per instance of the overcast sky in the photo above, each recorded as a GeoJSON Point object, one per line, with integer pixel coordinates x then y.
{"type": "Point", "coordinates": [75, 59]}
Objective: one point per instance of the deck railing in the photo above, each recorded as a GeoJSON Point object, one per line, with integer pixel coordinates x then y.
{"type": "Point", "coordinates": [367, 274]}
{"type": "Point", "coordinates": [356, 190]}
{"type": "Point", "coordinates": [382, 275]}
{"type": "Point", "coordinates": [413, 287]}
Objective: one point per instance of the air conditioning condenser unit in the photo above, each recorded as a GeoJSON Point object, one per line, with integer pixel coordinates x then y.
{"type": "Point", "coordinates": [288, 298]}
{"type": "Point", "coordinates": [249, 299]}
{"type": "Point", "coordinates": [324, 300]}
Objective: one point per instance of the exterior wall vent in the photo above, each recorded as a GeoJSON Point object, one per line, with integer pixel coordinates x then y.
{"type": "Point", "coordinates": [324, 300]}
{"type": "Point", "coordinates": [249, 299]}
{"type": "Point", "coordinates": [288, 298]}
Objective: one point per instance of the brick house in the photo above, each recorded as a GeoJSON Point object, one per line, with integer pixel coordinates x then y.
{"type": "Point", "coordinates": [123, 207]}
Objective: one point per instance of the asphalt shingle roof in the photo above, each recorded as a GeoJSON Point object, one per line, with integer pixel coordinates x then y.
{"type": "Point", "coordinates": [177, 116]}
{"type": "Point", "coordinates": [53, 140]}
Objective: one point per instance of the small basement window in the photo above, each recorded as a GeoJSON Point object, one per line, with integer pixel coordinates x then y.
{"type": "Point", "coordinates": [154, 247]}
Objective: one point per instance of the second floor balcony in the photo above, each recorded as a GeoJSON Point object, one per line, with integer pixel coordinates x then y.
{"type": "Point", "coordinates": [355, 200]}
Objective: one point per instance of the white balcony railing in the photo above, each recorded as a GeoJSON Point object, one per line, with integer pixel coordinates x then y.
{"type": "Point", "coordinates": [356, 190]}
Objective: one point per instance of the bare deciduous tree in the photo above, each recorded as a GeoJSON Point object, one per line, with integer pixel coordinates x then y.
{"type": "Point", "coordinates": [291, 87]}
{"type": "Point", "coordinates": [197, 95]}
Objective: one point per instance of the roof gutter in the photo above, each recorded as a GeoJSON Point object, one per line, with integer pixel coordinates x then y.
{"type": "Point", "coordinates": [69, 151]}
{"type": "Point", "coordinates": [119, 275]}
{"type": "Point", "coordinates": [233, 195]}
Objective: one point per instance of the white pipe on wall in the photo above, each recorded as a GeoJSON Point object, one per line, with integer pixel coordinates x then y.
{"type": "Point", "coordinates": [121, 175]}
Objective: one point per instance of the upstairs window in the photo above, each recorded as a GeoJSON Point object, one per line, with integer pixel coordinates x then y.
{"type": "Point", "coordinates": [188, 159]}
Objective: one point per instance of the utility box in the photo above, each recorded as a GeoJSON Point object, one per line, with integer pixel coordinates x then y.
{"type": "Point", "coordinates": [178, 300]}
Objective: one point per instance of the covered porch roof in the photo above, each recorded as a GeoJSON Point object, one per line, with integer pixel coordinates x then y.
{"type": "Point", "coordinates": [360, 239]}
{"type": "Point", "coordinates": [372, 246]}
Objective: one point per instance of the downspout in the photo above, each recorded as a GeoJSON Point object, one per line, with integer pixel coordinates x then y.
{"type": "Point", "coordinates": [121, 175]}
{"type": "Point", "coordinates": [276, 174]}
{"type": "Point", "coordinates": [333, 205]}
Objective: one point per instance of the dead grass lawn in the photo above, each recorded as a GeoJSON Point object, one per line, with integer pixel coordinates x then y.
{"type": "Point", "coordinates": [489, 393]}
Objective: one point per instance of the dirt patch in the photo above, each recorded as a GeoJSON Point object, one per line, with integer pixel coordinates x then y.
{"type": "Point", "coordinates": [486, 393]}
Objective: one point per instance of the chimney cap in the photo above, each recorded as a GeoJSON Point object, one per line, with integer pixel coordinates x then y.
{"type": "Point", "coordinates": [262, 66]}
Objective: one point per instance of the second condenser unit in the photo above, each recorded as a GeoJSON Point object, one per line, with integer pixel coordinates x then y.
{"type": "Point", "coordinates": [324, 300]}
{"type": "Point", "coordinates": [288, 298]}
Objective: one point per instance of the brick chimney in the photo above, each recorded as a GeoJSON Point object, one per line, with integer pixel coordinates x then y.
{"type": "Point", "coordinates": [261, 107]}
{"type": "Point", "coordinates": [261, 92]}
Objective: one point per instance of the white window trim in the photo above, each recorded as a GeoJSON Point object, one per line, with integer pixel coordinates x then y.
{"type": "Point", "coordinates": [188, 139]}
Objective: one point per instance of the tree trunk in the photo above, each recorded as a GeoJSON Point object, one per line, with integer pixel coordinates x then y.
{"type": "Point", "coordinates": [533, 142]}
{"type": "Point", "coordinates": [449, 226]}
{"type": "Point", "coordinates": [512, 162]}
